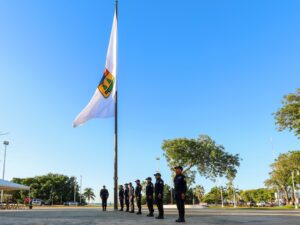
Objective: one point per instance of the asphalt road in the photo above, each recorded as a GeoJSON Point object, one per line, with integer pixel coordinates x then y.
{"type": "Point", "coordinates": [90, 216]}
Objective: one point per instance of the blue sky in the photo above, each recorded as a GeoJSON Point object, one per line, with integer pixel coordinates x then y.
{"type": "Point", "coordinates": [185, 68]}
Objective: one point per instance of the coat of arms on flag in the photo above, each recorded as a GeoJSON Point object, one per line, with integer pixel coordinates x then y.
{"type": "Point", "coordinates": [106, 84]}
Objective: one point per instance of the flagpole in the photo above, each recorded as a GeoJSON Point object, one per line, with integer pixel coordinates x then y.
{"type": "Point", "coordinates": [116, 140]}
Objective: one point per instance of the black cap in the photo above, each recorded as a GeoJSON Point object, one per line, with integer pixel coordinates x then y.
{"type": "Point", "coordinates": [137, 180]}
{"type": "Point", "coordinates": [148, 178]}
{"type": "Point", "coordinates": [178, 167]}
{"type": "Point", "coordinates": [126, 184]}
{"type": "Point", "coordinates": [157, 174]}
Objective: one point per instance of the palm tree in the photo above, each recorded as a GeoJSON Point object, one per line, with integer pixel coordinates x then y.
{"type": "Point", "coordinates": [89, 194]}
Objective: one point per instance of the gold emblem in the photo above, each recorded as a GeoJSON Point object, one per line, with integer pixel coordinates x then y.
{"type": "Point", "coordinates": [106, 84]}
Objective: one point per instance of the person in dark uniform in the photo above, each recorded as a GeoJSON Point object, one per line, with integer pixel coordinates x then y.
{"type": "Point", "coordinates": [138, 195]}
{"type": "Point", "coordinates": [149, 196]}
{"type": "Point", "coordinates": [104, 196]}
{"type": "Point", "coordinates": [159, 194]}
{"type": "Point", "coordinates": [180, 190]}
{"type": "Point", "coordinates": [131, 197]}
{"type": "Point", "coordinates": [126, 194]}
{"type": "Point", "coordinates": [121, 197]}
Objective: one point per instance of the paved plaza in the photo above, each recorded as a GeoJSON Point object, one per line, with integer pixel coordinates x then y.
{"type": "Point", "coordinates": [90, 216]}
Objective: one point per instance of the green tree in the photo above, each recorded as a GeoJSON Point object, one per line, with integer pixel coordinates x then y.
{"type": "Point", "coordinates": [281, 174]}
{"type": "Point", "coordinates": [213, 196]}
{"type": "Point", "coordinates": [288, 116]}
{"type": "Point", "coordinates": [201, 155]}
{"type": "Point", "coordinates": [198, 192]}
{"type": "Point", "coordinates": [258, 195]}
{"type": "Point", "coordinates": [167, 194]}
{"type": "Point", "coordinates": [89, 194]}
{"type": "Point", "coordinates": [55, 188]}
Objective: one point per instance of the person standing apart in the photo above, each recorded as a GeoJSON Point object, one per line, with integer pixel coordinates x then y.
{"type": "Point", "coordinates": [159, 194]}
{"type": "Point", "coordinates": [126, 194]}
{"type": "Point", "coordinates": [121, 197]}
{"type": "Point", "coordinates": [138, 195]}
{"type": "Point", "coordinates": [104, 196]}
{"type": "Point", "coordinates": [180, 191]}
{"type": "Point", "coordinates": [149, 196]}
{"type": "Point", "coordinates": [131, 197]}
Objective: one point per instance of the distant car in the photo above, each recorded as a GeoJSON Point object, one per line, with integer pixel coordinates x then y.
{"type": "Point", "coordinates": [48, 202]}
{"type": "Point", "coordinates": [261, 204]}
{"type": "Point", "coordinates": [251, 204]}
{"type": "Point", "coordinates": [38, 202]}
{"type": "Point", "coordinates": [71, 203]}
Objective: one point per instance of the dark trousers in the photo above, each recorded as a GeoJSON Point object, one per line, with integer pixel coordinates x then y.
{"type": "Point", "coordinates": [160, 207]}
{"type": "Point", "coordinates": [139, 203]}
{"type": "Point", "coordinates": [122, 203]}
{"type": "Point", "coordinates": [180, 205]}
{"type": "Point", "coordinates": [150, 205]}
{"type": "Point", "coordinates": [104, 204]}
{"type": "Point", "coordinates": [127, 203]}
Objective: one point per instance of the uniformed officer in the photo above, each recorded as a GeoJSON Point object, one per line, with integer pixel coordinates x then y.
{"type": "Point", "coordinates": [104, 196]}
{"type": "Point", "coordinates": [138, 195]}
{"type": "Point", "coordinates": [131, 197]}
{"type": "Point", "coordinates": [149, 196]}
{"type": "Point", "coordinates": [121, 197]}
{"type": "Point", "coordinates": [126, 194]}
{"type": "Point", "coordinates": [180, 190]}
{"type": "Point", "coordinates": [159, 194]}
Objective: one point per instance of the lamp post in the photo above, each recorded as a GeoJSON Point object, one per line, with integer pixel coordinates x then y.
{"type": "Point", "coordinates": [295, 195]}
{"type": "Point", "coordinates": [80, 188]}
{"type": "Point", "coordinates": [6, 143]}
{"type": "Point", "coordinates": [74, 189]}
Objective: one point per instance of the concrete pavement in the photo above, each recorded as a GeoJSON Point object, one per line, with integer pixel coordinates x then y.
{"type": "Point", "coordinates": [90, 216]}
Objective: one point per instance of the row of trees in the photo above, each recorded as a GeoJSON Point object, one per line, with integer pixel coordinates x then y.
{"type": "Point", "coordinates": [215, 195]}
{"type": "Point", "coordinates": [53, 188]}
{"type": "Point", "coordinates": [287, 165]}
{"type": "Point", "coordinates": [284, 169]}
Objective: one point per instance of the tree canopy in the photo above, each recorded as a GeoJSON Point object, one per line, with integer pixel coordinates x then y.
{"type": "Point", "coordinates": [288, 116]}
{"type": "Point", "coordinates": [55, 188]}
{"type": "Point", "coordinates": [201, 155]}
{"type": "Point", "coordinates": [89, 194]}
{"type": "Point", "coordinates": [281, 174]}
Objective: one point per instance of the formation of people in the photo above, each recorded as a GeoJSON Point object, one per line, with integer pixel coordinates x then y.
{"type": "Point", "coordinates": [154, 195]}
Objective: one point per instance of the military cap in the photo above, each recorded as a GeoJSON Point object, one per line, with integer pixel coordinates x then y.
{"type": "Point", "coordinates": [137, 180]}
{"type": "Point", "coordinates": [178, 167]}
{"type": "Point", "coordinates": [157, 174]}
{"type": "Point", "coordinates": [148, 178]}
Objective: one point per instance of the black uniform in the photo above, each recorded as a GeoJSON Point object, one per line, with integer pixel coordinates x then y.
{"type": "Point", "coordinates": [180, 188]}
{"type": "Point", "coordinates": [104, 196]}
{"type": "Point", "coordinates": [159, 194]}
{"type": "Point", "coordinates": [126, 194]}
{"type": "Point", "coordinates": [138, 195]}
{"type": "Point", "coordinates": [149, 198]}
{"type": "Point", "coordinates": [121, 198]}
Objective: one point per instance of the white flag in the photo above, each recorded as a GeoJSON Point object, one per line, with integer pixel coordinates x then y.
{"type": "Point", "coordinates": [102, 104]}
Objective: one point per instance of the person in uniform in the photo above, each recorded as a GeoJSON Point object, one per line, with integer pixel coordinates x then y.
{"type": "Point", "coordinates": [104, 196]}
{"type": "Point", "coordinates": [180, 191]}
{"type": "Point", "coordinates": [126, 194]}
{"type": "Point", "coordinates": [121, 197]}
{"type": "Point", "coordinates": [159, 194]}
{"type": "Point", "coordinates": [131, 197]}
{"type": "Point", "coordinates": [149, 196]}
{"type": "Point", "coordinates": [138, 195]}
